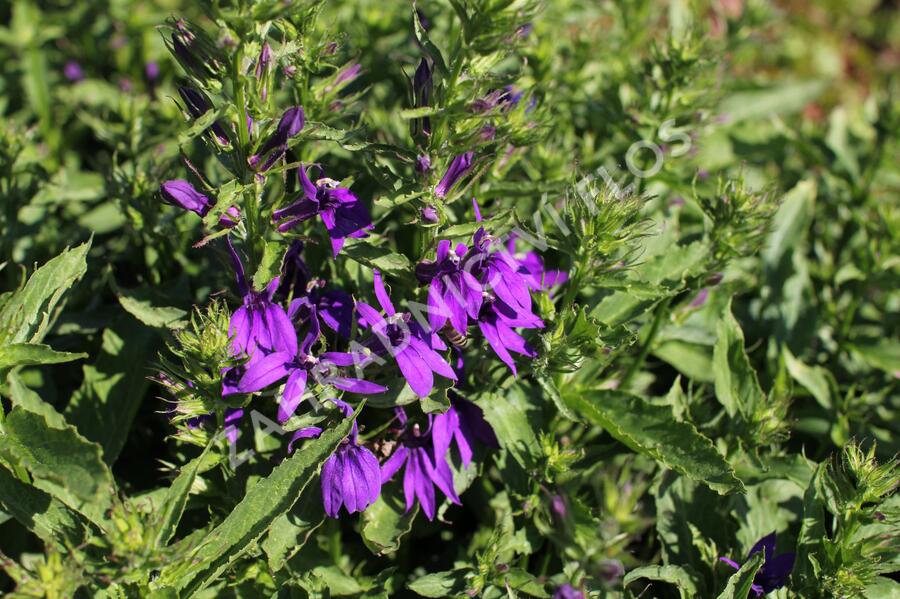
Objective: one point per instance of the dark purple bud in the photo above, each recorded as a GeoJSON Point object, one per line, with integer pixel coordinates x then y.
{"type": "Point", "coordinates": [422, 83]}
{"type": "Point", "coordinates": [714, 279]}
{"type": "Point", "coordinates": [611, 570]}
{"type": "Point", "coordinates": [426, 24]}
{"type": "Point", "coordinates": [458, 167]}
{"type": "Point", "coordinates": [125, 84]}
{"type": "Point", "coordinates": [181, 193]}
{"type": "Point", "coordinates": [197, 105]}
{"type": "Point", "coordinates": [423, 164]}
{"type": "Point", "coordinates": [262, 63]}
{"type": "Point", "coordinates": [524, 31]}
{"type": "Point", "coordinates": [558, 505]}
{"type": "Point", "coordinates": [429, 214]}
{"type": "Point", "coordinates": [291, 124]}
{"type": "Point", "coordinates": [72, 71]}
{"type": "Point", "coordinates": [330, 49]}
{"type": "Point", "coordinates": [151, 70]}
{"type": "Point", "coordinates": [700, 299]}
{"type": "Point", "coordinates": [289, 71]}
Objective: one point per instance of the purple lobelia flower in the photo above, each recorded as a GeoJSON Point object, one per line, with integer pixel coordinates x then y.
{"type": "Point", "coordinates": [291, 124]}
{"type": "Point", "coordinates": [181, 193]}
{"type": "Point", "coordinates": [463, 423]}
{"type": "Point", "coordinates": [344, 77]}
{"type": "Point", "coordinates": [425, 469]}
{"type": "Point", "coordinates": [341, 211]}
{"type": "Point", "coordinates": [197, 105]}
{"type": "Point", "coordinates": [73, 71]}
{"type": "Point", "coordinates": [459, 166]}
{"type": "Point", "coordinates": [507, 302]}
{"type": "Point", "coordinates": [259, 326]}
{"type": "Point", "coordinates": [453, 291]}
{"type": "Point", "coordinates": [406, 341]}
{"type": "Point", "coordinates": [351, 477]}
{"type": "Point", "coordinates": [531, 266]}
{"type": "Point", "coordinates": [775, 569]}
{"type": "Point", "coordinates": [297, 364]}
{"type": "Point", "coordinates": [567, 591]}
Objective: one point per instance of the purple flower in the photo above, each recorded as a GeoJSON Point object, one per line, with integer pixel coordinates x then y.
{"type": "Point", "coordinates": [341, 211]}
{"type": "Point", "coordinates": [407, 342]}
{"type": "Point", "coordinates": [232, 417]}
{"type": "Point", "coordinates": [459, 166]}
{"type": "Point", "coordinates": [351, 477]}
{"type": "Point", "coordinates": [297, 364]}
{"type": "Point", "coordinates": [291, 124]}
{"type": "Point", "coordinates": [151, 70]}
{"type": "Point", "coordinates": [197, 105]}
{"type": "Point", "coordinates": [344, 77]}
{"type": "Point", "coordinates": [262, 63]}
{"type": "Point", "coordinates": [775, 569]}
{"type": "Point", "coordinates": [567, 591]}
{"type": "Point", "coordinates": [430, 215]}
{"type": "Point", "coordinates": [259, 324]}
{"type": "Point", "coordinates": [531, 266]}
{"type": "Point", "coordinates": [423, 164]}
{"type": "Point", "coordinates": [73, 72]}
{"type": "Point", "coordinates": [424, 468]}
{"type": "Point", "coordinates": [463, 423]}
{"type": "Point", "coordinates": [453, 290]}
{"type": "Point", "coordinates": [181, 193]}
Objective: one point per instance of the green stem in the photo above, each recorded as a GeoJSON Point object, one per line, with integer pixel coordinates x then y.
{"type": "Point", "coordinates": [661, 311]}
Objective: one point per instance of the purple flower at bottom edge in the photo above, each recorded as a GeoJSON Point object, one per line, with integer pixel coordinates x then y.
{"type": "Point", "coordinates": [775, 570]}
{"type": "Point", "coordinates": [341, 211]}
{"type": "Point", "coordinates": [351, 477]}
{"type": "Point", "coordinates": [463, 423]}
{"type": "Point", "coordinates": [406, 341]}
{"type": "Point", "coordinates": [424, 470]}
{"type": "Point", "coordinates": [567, 591]}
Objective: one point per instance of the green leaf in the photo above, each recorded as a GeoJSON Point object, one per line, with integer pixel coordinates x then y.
{"type": "Point", "coordinates": [683, 577]}
{"type": "Point", "coordinates": [175, 499]}
{"type": "Point", "coordinates": [813, 536]}
{"type": "Point", "coordinates": [29, 400]}
{"type": "Point", "coordinates": [30, 354]}
{"type": "Point", "coordinates": [264, 502]}
{"type": "Point", "coordinates": [373, 256]}
{"type": "Point", "coordinates": [781, 99]}
{"type": "Point", "coordinates": [883, 354]}
{"type": "Point", "coordinates": [290, 531]}
{"type": "Point", "coordinates": [28, 313]}
{"type": "Point", "coordinates": [653, 431]}
{"type": "Point", "coordinates": [386, 522]}
{"type": "Point", "coordinates": [737, 387]}
{"type": "Point", "coordinates": [142, 305]}
{"type": "Point", "coordinates": [740, 582]}
{"type": "Point", "coordinates": [40, 512]}
{"type": "Point", "coordinates": [61, 463]}
{"type": "Point", "coordinates": [440, 584]}
{"type": "Point", "coordinates": [269, 266]}
{"type": "Point", "coordinates": [104, 406]}
{"type": "Point", "coordinates": [813, 378]}
{"type": "Point", "coordinates": [511, 417]}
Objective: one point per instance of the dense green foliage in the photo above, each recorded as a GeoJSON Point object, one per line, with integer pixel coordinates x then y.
{"type": "Point", "coordinates": [719, 179]}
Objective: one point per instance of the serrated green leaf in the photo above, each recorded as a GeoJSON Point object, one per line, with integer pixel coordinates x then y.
{"type": "Point", "coordinates": [253, 516]}
{"type": "Point", "coordinates": [512, 419]}
{"type": "Point", "coordinates": [386, 522]}
{"type": "Point", "coordinates": [31, 354]}
{"type": "Point", "coordinates": [140, 304]}
{"type": "Point", "coordinates": [27, 314]}
{"type": "Point", "coordinates": [440, 584]}
{"type": "Point", "coordinates": [269, 266]}
{"type": "Point", "coordinates": [175, 499]}
{"type": "Point", "coordinates": [683, 577]}
{"type": "Point", "coordinates": [30, 401]}
{"type": "Point", "coordinates": [653, 431]}
{"type": "Point", "coordinates": [61, 463]}
{"type": "Point", "coordinates": [373, 256]}
{"type": "Point", "coordinates": [737, 387]}
{"type": "Point", "coordinates": [290, 531]}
